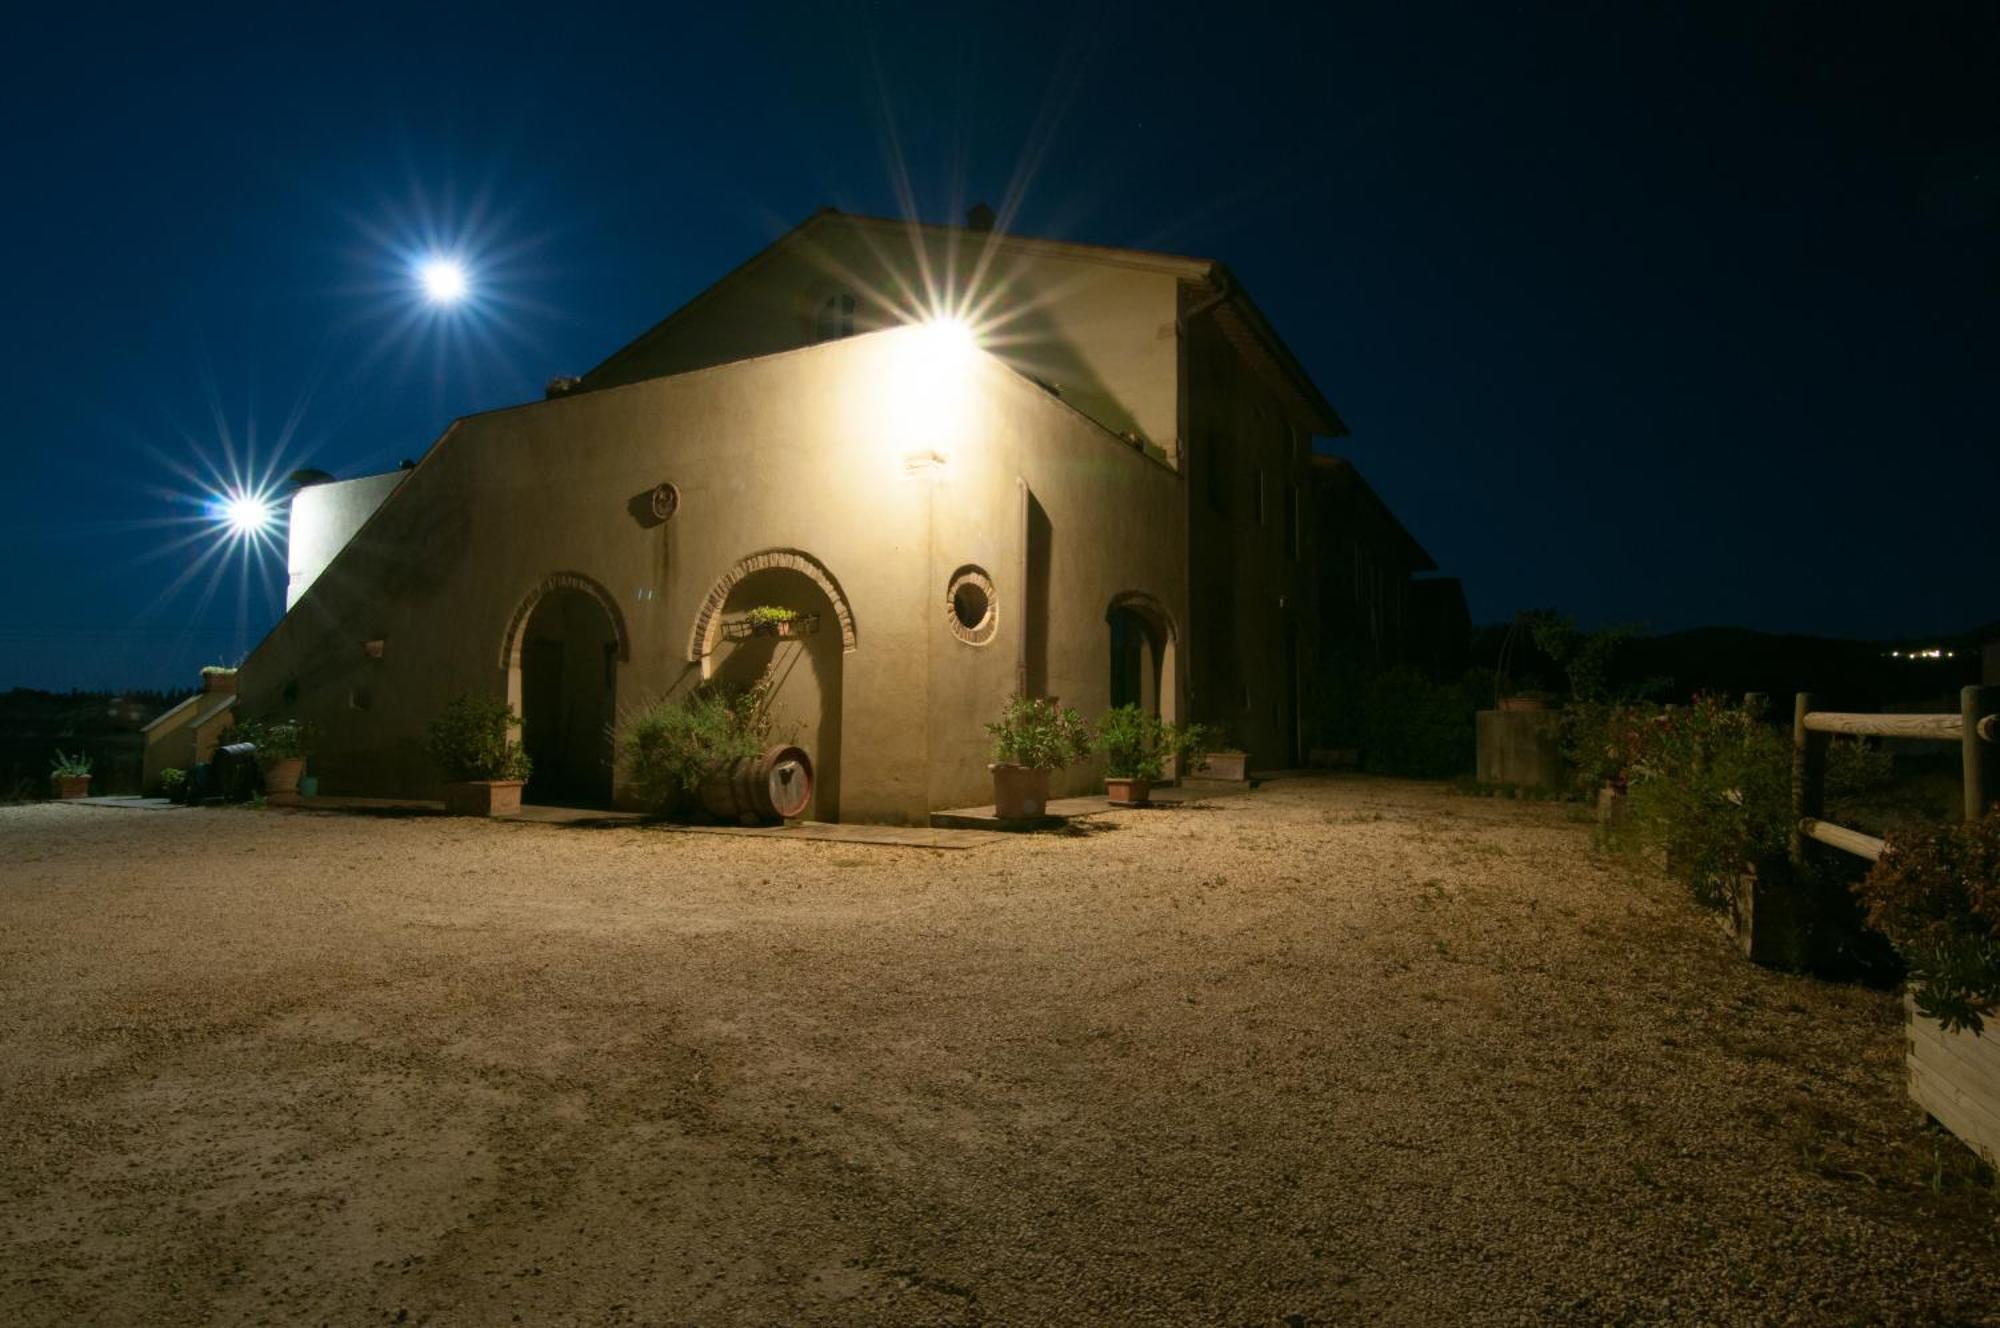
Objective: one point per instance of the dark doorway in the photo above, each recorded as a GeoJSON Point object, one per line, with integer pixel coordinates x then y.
{"type": "Point", "coordinates": [569, 679]}
{"type": "Point", "coordinates": [1136, 650]}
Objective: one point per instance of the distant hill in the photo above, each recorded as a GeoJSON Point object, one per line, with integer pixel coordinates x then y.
{"type": "Point", "coordinates": [1895, 674]}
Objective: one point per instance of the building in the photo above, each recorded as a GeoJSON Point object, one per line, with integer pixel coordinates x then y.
{"type": "Point", "coordinates": [981, 463]}
{"type": "Point", "coordinates": [185, 735]}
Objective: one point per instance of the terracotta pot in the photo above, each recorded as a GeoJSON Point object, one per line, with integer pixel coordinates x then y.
{"type": "Point", "coordinates": [71, 786]}
{"type": "Point", "coordinates": [483, 797]}
{"type": "Point", "coordinates": [281, 779]}
{"type": "Point", "coordinates": [1523, 703]}
{"type": "Point", "coordinates": [1018, 792]}
{"type": "Point", "coordinates": [1129, 792]}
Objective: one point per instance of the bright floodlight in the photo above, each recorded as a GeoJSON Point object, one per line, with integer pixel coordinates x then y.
{"type": "Point", "coordinates": [443, 279]}
{"type": "Point", "coordinates": [246, 514]}
{"type": "Point", "coordinates": [949, 337]}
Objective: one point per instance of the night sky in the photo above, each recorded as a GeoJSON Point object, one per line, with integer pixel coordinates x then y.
{"type": "Point", "coordinates": [1670, 314]}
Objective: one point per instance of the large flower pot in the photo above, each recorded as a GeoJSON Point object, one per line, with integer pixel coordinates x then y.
{"type": "Point", "coordinates": [1019, 793]}
{"type": "Point", "coordinates": [483, 797]}
{"type": "Point", "coordinates": [71, 786]}
{"type": "Point", "coordinates": [281, 780]}
{"type": "Point", "coordinates": [1129, 792]}
{"type": "Point", "coordinates": [1956, 1078]}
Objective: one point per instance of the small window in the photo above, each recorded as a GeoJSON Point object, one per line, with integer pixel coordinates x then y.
{"type": "Point", "coordinates": [969, 608]}
{"type": "Point", "coordinates": [836, 317]}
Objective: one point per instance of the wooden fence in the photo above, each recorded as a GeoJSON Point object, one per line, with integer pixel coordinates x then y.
{"type": "Point", "coordinates": [1976, 728]}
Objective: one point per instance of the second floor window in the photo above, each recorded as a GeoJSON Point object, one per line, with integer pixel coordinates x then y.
{"type": "Point", "coordinates": [836, 317]}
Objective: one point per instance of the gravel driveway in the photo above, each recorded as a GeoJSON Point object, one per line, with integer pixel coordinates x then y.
{"type": "Point", "coordinates": [1339, 1051]}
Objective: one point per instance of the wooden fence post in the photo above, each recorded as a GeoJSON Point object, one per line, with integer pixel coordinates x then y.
{"type": "Point", "coordinates": [1808, 776]}
{"type": "Point", "coordinates": [1974, 703]}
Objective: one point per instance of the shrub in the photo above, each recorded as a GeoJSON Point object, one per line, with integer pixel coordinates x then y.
{"type": "Point", "coordinates": [173, 783]}
{"type": "Point", "coordinates": [471, 739]}
{"type": "Point", "coordinates": [278, 739]}
{"type": "Point", "coordinates": [1711, 784]}
{"type": "Point", "coordinates": [1138, 745]}
{"type": "Point", "coordinates": [1935, 893]}
{"type": "Point", "coordinates": [1410, 725]}
{"type": "Point", "coordinates": [1601, 741]}
{"type": "Point", "coordinates": [65, 765]}
{"type": "Point", "coordinates": [671, 745]}
{"type": "Point", "coordinates": [1036, 733]}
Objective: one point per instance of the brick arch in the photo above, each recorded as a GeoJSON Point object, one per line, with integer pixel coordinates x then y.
{"type": "Point", "coordinates": [510, 645]}
{"type": "Point", "coordinates": [1147, 607]}
{"type": "Point", "coordinates": [708, 621]}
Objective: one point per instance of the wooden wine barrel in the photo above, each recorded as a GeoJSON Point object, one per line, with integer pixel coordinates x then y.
{"type": "Point", "coordinates": [771, 787]}
{"type": "Point", "coordinates": [237, 776]}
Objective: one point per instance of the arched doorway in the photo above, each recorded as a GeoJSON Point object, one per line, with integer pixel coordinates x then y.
{"type": "Point", "coordinates": [804, 664]}
{"type": "Point", "coordinates": [1143, 643]}
{"type": "Point", "coordinates": [562, 660]}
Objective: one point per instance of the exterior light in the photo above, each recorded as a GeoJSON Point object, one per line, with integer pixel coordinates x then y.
{"type": "Point", "coordinates": [243, 514]}
{"type": "Point", "coordinates": [443, 279]}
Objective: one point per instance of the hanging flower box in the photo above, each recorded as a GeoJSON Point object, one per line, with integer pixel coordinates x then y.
{"type": "Point", "coordinates": [782, 623]}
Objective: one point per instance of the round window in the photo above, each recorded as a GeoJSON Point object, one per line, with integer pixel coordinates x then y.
{"type": "Point", "coordinates": [969, 608]}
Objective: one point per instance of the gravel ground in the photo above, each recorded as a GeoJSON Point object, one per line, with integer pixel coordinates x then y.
{"type": "Point", "coordinates": [1341, 1051]}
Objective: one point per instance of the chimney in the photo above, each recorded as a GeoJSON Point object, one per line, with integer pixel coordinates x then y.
{"type": "Point", "coordinates": [215, 678]}
{"type": "Point", "coordinates": [979, 217]}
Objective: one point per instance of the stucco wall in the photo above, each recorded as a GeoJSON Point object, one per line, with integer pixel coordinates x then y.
{"type": "Point", "coordinates": [889, 465]}
{"type": "Point", "coordinates": [1101, 331]}
{"type": "Point", "coordinates": [1253, 619]}
{"type": "Point", "coordinates": [323, 518]}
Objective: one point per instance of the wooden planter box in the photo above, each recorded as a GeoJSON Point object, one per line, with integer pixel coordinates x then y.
{"type": "Point", "coordinates": [1956, 1078]}
{"type": "Point", "coordinates": [71, 786]}
{"type": "Point", "coordinates": [483, 797]}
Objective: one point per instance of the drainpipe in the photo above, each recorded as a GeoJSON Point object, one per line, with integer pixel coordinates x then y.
{"type": "Point", "coordinates": [1021, 597]}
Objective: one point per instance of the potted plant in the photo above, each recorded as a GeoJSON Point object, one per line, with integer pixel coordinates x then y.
{"type": "Point", "coordinates": [1935, 893]}
{"type": "Point", "coordinates": [174, 784]}
{"type": "Point", "coordinates": [1032, 737]}
{"type": "Point", "coordinates": [1137, 746]}
{"type": "Point", "coordinates": [472, 740]}
{"type": "Point", "coordinates": [772, 620]}
{"type": "Point", "coordinates": [1132, 742]}
{"type": "Point", "coordinates": [282, 747]}
{"type": "Point", "coordinates": [70, 775]}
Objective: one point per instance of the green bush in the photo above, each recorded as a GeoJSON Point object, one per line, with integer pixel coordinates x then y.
{"type": "Point", "coordinates": [1601, 740]}
{"type": "Point", "coordinates": [472, 739]}
{"type": "Point", "coordinates": [1711, 785]}
{"type": "Point", "coordinates": [277, 739]}
{"type": "Point", "coordinates": [1935, 893]}
{"type": "Point", "coordinates": [1138, 745]}
{"type": "Point", "coordinates": [671, 745]}
{"type": "Point", "coordinates": [1036, 733]}
{"type": "Point", "coordinates": [173, 783]}
{"type": "Point", "coordinates": [1409, 725]}
{"type": "Point", "coordinates": [766, 614]}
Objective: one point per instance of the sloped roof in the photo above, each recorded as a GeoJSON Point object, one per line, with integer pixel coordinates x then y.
{"type": "Point", "coordinates": [1242, 321]}
{"type": "Point", "coordinates": [169, 713]}
{"type": "Point", "coordinates": [1340, 473]}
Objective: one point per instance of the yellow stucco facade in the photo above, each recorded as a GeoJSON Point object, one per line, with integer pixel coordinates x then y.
{"type": "Point", "coordinates": [792, 437]}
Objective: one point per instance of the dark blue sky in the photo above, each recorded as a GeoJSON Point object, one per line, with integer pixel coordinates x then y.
{"type": "Point", "coordinates": [1678, 314]}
